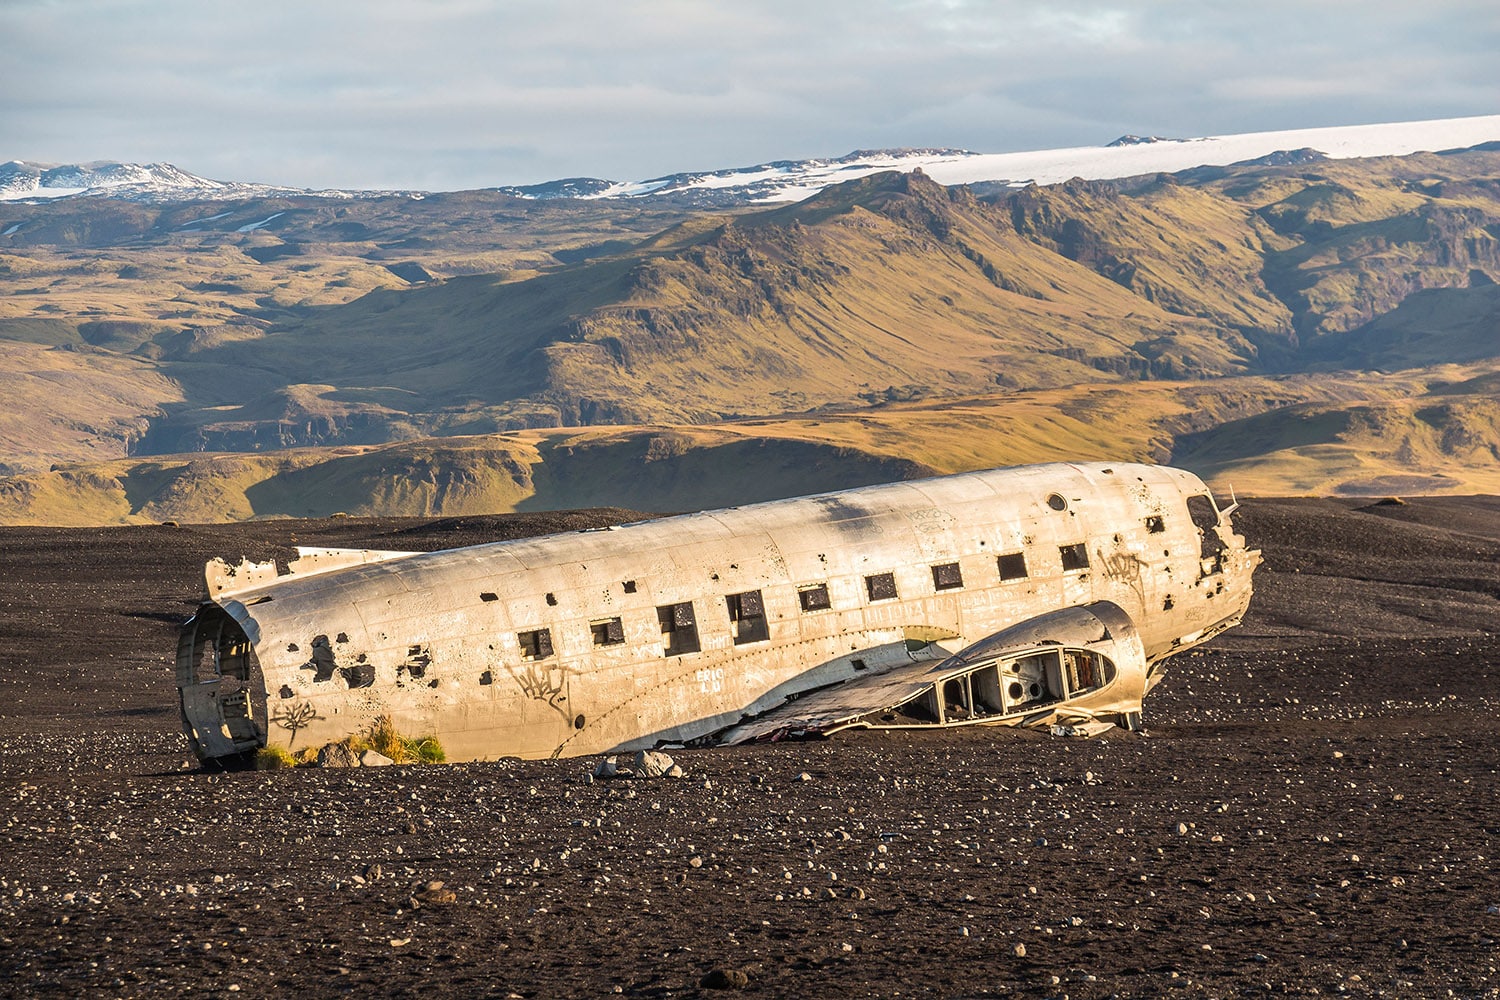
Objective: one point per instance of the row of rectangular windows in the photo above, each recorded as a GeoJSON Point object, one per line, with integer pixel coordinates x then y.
{"type": "Point", "coordinates": [747, 615]}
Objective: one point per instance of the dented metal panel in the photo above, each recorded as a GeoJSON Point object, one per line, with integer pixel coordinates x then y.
{"type": "Point", "coordinates": [680, 628]}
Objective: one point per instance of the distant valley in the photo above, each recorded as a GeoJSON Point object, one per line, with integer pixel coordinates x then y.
{"type": "Point", "coordinates": [1303, 325]}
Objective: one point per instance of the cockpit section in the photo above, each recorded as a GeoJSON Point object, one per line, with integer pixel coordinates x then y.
{"type": "Point", "coordinates": [217, 675]}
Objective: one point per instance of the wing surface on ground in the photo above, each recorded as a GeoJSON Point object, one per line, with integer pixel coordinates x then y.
{"type": "Point", "coordinates": [833, 708]}
{"type": "Point", "coordinates": [1077, 664]}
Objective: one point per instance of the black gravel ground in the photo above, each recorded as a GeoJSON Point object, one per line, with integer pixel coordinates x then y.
{"type": "Point", "coordinates": [1313, 810]}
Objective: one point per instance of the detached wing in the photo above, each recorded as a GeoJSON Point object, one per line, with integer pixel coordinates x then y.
{"type": "Point", "coordinates": [1079, 664]}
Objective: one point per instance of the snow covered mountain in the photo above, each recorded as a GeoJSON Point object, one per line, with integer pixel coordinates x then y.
{"type": "Point", "coordinates": [1128, 156]}
{"type": "Point", "coordinates": [149, 182]}
{"type": "Point", "coordinates": [793, 180]}
{"type": "Point", "coordinates": [780, 180]}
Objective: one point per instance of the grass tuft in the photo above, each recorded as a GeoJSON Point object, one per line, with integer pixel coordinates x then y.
{"type": "Point", "coordinates": [273, 759]}
{"type": "Point", "coordinates": [427, 750]}
{"type": "Point", "coordinates": [383, 738]}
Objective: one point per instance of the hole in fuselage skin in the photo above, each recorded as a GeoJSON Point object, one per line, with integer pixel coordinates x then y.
{"type": "Point", "coordinates": [578, 722]}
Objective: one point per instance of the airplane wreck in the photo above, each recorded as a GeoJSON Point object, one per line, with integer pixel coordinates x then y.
{"type": "Point", "coordinates": [1045, 595]}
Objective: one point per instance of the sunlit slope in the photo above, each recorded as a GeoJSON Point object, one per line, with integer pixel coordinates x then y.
{"type": "Point", "coordinates": [887, 288]}
{"type": "Point", "coordinates": [1190, 251]}
{"type": "Point", "coordinates": [1254, 434]}
{"type": "Point", "coordinates": [181, 337]}
{"type": "Point", "coordinates": [60, 405]}
{"type": "Point", "coordinates": [450, 476]}
{"type": "Point", "coordinates": [1439, 442]}
{"type": "Point", "coordinates": [1360, 237]}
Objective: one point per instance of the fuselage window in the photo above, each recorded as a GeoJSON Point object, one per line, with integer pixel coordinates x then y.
{"type": "Point", "coordinates": [947, 577]}
{"type": "Point", "coordinates": [814, 598]}
{"type": "Point", "coordinates": [679, 629]}
{"type": "Point", "coordinates": [1075, 556]}
{"type": "Point", "coordinates": [1205, 517]}
{"type": "Point", "coordinates": [1156, 524]}
{"type": "Point", "coordinates": [748, 617]}
{"type": "Point", "coordinates": [881, 586]}
{"type": "Point", "coordinates": [1013, 566]}
{"type": "Point", "coordinates": [536, 644]}
{"type": "Point", "coordinates": [1203, 512]}
{"type": "Point", "coordinates": [1082, 669]}
{"type": "Point", "coordinates": [608, 632]}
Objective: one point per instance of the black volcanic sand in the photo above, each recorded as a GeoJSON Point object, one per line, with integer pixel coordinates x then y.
{"type": "Point", "coordinates": [1312, 811]}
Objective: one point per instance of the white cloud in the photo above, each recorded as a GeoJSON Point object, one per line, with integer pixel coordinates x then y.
{"type": "Point", "coordinates": [1089, 26]}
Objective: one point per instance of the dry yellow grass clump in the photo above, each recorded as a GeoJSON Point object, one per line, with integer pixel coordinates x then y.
{"type": "Point", "coordinates": [380, 736]}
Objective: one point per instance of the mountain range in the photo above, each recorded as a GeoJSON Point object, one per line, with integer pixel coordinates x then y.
{"type": "Point", "coordinates": [1313, 321]}
{"type": "Point", "coordinates": [793, 180]}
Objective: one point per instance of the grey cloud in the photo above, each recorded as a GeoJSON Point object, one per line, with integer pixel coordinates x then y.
{"type": "Point", "coordinates": [462, 93]}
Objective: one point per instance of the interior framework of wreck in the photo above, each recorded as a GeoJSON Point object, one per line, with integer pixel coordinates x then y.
{"type": "Point", "coordinates": [1000, 688]}
{"type": "Point", "coordinates": [216, 659]}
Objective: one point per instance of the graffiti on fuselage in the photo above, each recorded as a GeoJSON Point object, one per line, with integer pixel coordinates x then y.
{"type": "Point", "coordinates": [544, 683]}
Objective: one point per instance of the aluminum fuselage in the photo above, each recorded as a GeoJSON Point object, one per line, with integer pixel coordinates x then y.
{"type": "Point", "coordinates": [672, 629]}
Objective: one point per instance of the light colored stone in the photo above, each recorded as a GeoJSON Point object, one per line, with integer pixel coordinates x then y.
{"type": "Point", "coordinates": [651, 764]}
{"type": "Point", "coordinates": [336, 755]}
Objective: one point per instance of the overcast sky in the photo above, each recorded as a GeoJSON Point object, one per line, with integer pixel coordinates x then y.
{"type": "Point", "coordinates": [449, 94]}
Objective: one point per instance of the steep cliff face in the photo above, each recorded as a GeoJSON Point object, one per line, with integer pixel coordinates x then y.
{"type": "Point", "coordinates": [1344, 276]}
{"type": "Point", "coordinates": [168, 438]}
